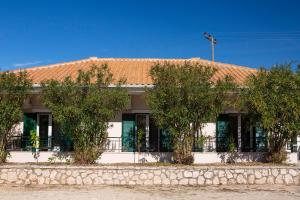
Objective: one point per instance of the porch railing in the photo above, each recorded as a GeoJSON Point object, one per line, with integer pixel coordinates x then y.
{"type": "Point", "coordinates": [114, 144]}
{"type": "Point", "coordinates": [23, 143]}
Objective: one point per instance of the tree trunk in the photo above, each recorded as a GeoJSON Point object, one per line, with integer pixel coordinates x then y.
{"type": "Point", "coordinates": [277, 143]}
{"type": "Point", "coordinates": [3, 152]}
{"type": "Point", "coordinates": [183, 150]}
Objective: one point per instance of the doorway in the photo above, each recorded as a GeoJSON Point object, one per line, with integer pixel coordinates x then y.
{"type": "Point", "coordinates": [227, 131]}
{"type": "Point", "coordinates": [44, 131]}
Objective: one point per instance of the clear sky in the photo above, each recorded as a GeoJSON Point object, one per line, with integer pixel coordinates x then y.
{"type": "Point", "coordinates": [249, 32]}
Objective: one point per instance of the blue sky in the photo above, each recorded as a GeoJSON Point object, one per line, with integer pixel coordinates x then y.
{"type": "Point", "coordinates": [249, 32]}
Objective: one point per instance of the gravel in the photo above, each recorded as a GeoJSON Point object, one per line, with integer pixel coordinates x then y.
{"type": "Point", "coordinates": [235, 192]}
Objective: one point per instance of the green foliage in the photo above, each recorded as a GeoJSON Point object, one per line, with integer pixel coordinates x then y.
{"type": "Point", "coordinates": [34, 139]}
{"type": "Point", "coordinates": [14, 89]}
{"type": "Point", "coordinates": [140, 136]}
{"type": "Point", "coordinates": [231, 145]}
{"type": "Point", "coordinates": [83, 107]}
{"type": "Point", "coordinates": [184, 95]}
{"type": "Point", "coordinates": [200, 142]}
{"type": "Point", "coordinates": [273, 97]}
{"type": "Point", "coordinates": [35, 142]}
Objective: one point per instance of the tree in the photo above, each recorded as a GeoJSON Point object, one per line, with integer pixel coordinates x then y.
{"type": "Point", "coordinates": [183, 99]}
{"type": "Point", "coordinates": [272, 97]}
{"type": "Point", "coordinates": [83, 108]}
{"type": "Point", "coordinates": [14, 89]}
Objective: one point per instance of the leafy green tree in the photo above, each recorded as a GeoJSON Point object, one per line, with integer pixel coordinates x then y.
{"type": "Point", "coordinates": [183, 99]}
{"type": "Point", "coordinates": [83, 107]}
{"type": "Point", "coordinates": [273, 98]}
{"type": "Point", "coordinates": [14, 89]}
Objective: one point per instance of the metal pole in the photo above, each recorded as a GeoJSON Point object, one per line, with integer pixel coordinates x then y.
{"type": "Point", "coordinates": [212, 49]}
{"type": "Point", "coordinates": [213, 43]}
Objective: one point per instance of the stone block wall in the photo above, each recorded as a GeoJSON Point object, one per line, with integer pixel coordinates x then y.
{"type": "Point", "coordinates": [130, 175]}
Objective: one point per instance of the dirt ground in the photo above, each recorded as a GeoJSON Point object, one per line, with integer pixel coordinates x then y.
{"type": "Point", "coordinates": [144, 192]}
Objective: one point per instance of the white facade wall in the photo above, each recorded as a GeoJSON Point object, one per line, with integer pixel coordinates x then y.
{"type": "Point", "coordinates": [145, 157]}
{"type": "Point", "coordinates": [209, 129]}
{"type": "Point", "coordinates": [115, 126]}
{"type": "Point", "coordinates": [138, 105]}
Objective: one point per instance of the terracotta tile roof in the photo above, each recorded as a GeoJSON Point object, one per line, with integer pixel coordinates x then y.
{"type": "Point", "coordinates": [135, 71]}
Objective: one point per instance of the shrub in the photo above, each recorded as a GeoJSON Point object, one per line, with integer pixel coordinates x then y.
{"type": "Point", "coordinates": [183, 98]}
{"type": "Point", "coordinates": [273, 97]}
{"type": "Point", "coordinates": [14, 89]}
{"type": "Point", "coordinates": [83, 106]}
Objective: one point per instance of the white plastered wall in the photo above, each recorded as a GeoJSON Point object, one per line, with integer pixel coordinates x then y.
{"type": "Point", "coordinates": [137, 105]}
{"type": "Point", "coordinates": [115, 126]}
{"type": "Point", "coordinates": [209, 129]}
{"type": "Point", "coordinates": [130, 157]}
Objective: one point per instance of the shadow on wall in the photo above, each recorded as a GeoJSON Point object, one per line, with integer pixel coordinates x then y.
{"type": "Point", "coordinates": [224, 157]}
{"type": "Point", "coordinates": [61, 157]}
{"type": "Point", "coordinates": [164, 157]}
{"type": "Point", "coordinates": [234, 157]}
{"type": "Point", "coordinates": [167, 157]}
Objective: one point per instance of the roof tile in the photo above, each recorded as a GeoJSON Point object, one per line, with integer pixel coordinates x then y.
{"type": "Point", "coordinates": [135, 71]}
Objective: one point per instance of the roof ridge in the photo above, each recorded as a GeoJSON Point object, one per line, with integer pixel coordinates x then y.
{"type": "Point", "coordinates": [54, 65]}
{"type": "Point", "coordinates": [218, 64]}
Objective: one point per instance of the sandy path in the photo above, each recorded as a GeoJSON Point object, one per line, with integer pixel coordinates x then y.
{"type": "Point", "coordinates": [142, 193]}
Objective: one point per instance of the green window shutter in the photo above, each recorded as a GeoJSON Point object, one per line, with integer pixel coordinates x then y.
{"type": "Point", "coordinates": [128, 132]}
{"type": "Point", "coordinates": [30, 123]}
{"type": "Point", "coordinates": [223, 132]}
{"type": "Point", "coordinates": [165, 141]}
{"type": "Point", "coordinates": [260, 138]}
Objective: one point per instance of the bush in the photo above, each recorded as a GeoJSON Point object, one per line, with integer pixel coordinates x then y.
{"type": "Point", "coordinates": [14, 89]}
{"type": "Point", "coordinates": [83, 107]}
{"type": "Point", "coordinates": [183, 98]}
{"type": "Point", "coordinates": [273, 98]}
{"type": "Point", "coordinates": [277, 157]}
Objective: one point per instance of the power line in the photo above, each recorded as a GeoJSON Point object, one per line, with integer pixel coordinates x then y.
{"type": "Point", "coordinates": [291, 35]}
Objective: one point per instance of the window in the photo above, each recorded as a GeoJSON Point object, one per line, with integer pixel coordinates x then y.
{"type": "Point", "coordinates": [153, 138]}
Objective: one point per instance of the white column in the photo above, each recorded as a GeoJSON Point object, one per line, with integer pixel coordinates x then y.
{"type": "Point", "coordinates": [147, 132]}
{"type": "Point", "coordinates": [50, 131]}
{"type": "Point", "coordinates": [38, 130]}
{"type": "Point", "coordinates": [239, 132]}
{"type": "Point", "coordinates": [38, 125]}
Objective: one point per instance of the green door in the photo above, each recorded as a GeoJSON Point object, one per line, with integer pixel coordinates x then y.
{"type": "Point", "coordinates": [223, 131]}
{"type": "Point", "coordinates": [30, 122]}
{"type": "Point", "coordinates": [128, 132]}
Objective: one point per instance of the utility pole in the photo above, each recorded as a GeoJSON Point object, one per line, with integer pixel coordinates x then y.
{"type": "Point", "coordinates": [213, 43]}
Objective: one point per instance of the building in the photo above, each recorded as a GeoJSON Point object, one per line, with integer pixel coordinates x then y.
{"type": "Point", "coordinates": [249, 140]}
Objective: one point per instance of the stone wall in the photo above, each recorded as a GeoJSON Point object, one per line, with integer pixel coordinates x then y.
{"type": "Point", "coordinates": [144, 175]}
